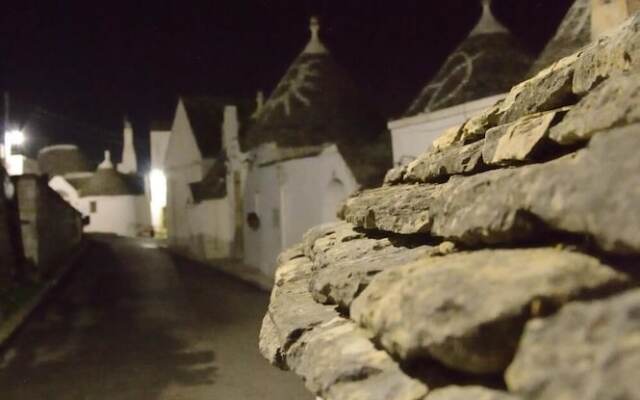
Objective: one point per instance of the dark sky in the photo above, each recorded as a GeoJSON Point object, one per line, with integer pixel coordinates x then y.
{"type": "Point", "coordinates": [74, 68]}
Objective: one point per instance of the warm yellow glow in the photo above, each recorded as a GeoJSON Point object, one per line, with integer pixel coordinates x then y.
{"type": "Point", "coordinates": [158, 182]}
{"type": "Point", "coordinates": [158, 191]}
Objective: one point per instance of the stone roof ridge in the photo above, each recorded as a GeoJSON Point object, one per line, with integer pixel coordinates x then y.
{"type": "Point", "coordinates": [488, 22]}
{"type": "Point", "coordinates": [315, 45]}
{"type": "Point", "coordinates": [57, 147]}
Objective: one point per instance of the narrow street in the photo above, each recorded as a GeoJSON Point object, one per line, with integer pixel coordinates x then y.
{"type": "Point", "coordinates": [134, 322]}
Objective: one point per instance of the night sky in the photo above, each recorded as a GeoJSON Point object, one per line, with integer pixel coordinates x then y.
{"type": "Point", "coordinates": [74, 68]}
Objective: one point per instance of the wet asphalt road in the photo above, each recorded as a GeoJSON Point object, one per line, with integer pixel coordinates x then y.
{"type": "Point", "coordinates": [133, 322]}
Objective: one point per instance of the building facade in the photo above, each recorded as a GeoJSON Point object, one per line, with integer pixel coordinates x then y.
{"type": "Point", "coordinates": [309, 149]}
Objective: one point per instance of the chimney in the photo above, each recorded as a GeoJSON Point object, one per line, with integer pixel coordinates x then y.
{"type": "Point", "coordinates": [230, 130]}
{"type": "Point", "coordinates": [129, 164]}
{"type": "Point", "coordinates": [259, 104]}
{"type": "Point", "coordinates": [106, 164]}
{"type": "Point", "coordinates": [606, 15]}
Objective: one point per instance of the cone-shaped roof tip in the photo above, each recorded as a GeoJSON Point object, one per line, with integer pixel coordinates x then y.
{"type": "Point", "coordinates": [106, 164]}
{"type": "Point", "coordinates": [487, 22]}
{"type": "Point", "coordinates": [315, 45]}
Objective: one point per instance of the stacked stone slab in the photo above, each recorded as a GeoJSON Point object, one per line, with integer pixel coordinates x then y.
{"type": "Point", "coordinates": [50, 228]}
{"type": "Point", "coordinates": [501, 264]}
{"type": "Point", "coordinates": [9, 247]}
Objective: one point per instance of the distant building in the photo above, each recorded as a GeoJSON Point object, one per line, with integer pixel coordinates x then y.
{"type": "Point", "coordinates": [311, 145]}
{"type": "Point", "coordinates": [156, 180]}
{"type": "Point", "coordinates": [585, 21]}
{"type": "Point", "coordinates": [475, 76]}
{"type": "Point", "coordinates": [203, 193]}
{"type": "Point", "coordinates": [115, 202]}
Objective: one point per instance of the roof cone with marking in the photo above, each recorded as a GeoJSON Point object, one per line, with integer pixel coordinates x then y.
{"type": "Point", "coordinates": [488, 62]}
{"type": "Point", "coordinates": [315, 102]}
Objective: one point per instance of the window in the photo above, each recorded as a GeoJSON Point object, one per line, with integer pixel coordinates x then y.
{"type": "Point", "coordinates": [93, 207]}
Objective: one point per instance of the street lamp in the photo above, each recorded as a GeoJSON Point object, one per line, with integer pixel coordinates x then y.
{"type": "Point", "coordinates": [13, 162]}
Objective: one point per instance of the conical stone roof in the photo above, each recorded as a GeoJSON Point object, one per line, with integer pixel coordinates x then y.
{"type": "Point", "coordinates": [315, 102]}
{"type": "Point", "coordinates": [574, 32]}
{"type": "Point", "coordinates": [108, 182]}
{"type": "Point", "coordinates": [62, 160]}
{"type": "Point", "coordinates": [488, 62]}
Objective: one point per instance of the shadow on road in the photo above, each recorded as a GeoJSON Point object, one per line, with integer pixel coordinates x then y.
{"type": "Point", "coordinates": [109, 333]}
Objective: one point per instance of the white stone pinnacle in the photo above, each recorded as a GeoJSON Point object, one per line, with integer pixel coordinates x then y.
{"type": "Point", "coordinates": [106, 164]}
{"type": "Point", "coordinates": [315, 45]}
{"type": "Point", "coordinates": [487, 23]}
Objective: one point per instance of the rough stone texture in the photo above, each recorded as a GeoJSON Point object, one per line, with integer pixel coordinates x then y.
{"type": "Point", "coordinates": [476, 127]}
{"type": "Point", "coordinates": [448, 138]}
{"type": "Point", "coordinates": [395, 175]}
{"type": "Point", "coordinates": [609, 55]}
{"type": "Point", "coordinates": [338, 361]}
{"type": "Point", "coordinates": [551, 88]}
{"type": "Point", "coordinates": [469, 393]}
{"type": "Point", "coordinates": [467, 310]}
{"type": "Point", "coordinates": [520, 139]}
{"type": "Point", "coordinates": [435, 165]}
{"type": "Point", "coordinates": [594, 192]}
{"type": "Point", "coordinates": [587, 351]}
{"type": "Point", "coordinates": [291, 312]}
{"type": "Point", "coordinates": [344, 260]}
{"type": "Point", "coordinates": [340, 282]}
{"type": "Point", "coordinates": [615, 102]}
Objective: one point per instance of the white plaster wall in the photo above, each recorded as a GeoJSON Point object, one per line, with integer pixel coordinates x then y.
{"type": "Point", "coordinates": [159, 143]}
{"type": "Point", "coordinates": [183, 165]}
{"type": "Point", "coordinates": [116, 214]}
{"type": "Point", "coordinates": [68, 193]}
{"type": "Point", "coordinates": [309, 190]}
{"type": "Point", "coordinates": [290, 198]}
{"type": "Point", "coordinates": [212, 229]}
{"type": "Point", "coordinates": [262, 196]}
{"type": "Point", "coordinates": [412, 136]}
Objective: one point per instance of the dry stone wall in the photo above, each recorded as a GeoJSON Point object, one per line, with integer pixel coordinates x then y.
{"type": "Point", "coordinates": [9, 248]}
{"type": "Point", "coordinates": [501, 264]}
{"type": "Point", "coordinates": [50, 227]}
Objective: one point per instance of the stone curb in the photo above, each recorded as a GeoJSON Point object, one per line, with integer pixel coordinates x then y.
{"type": "Point", "coordinates": [9, 327]}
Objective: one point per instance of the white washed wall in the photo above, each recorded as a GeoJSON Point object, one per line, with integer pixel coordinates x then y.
{"type": "Point", "coordinates": [290, 198]}
{"type": "Point", "coordinates": [412, 136]}
{"type": "Point", "coordinates": [184, 165]}
{"type": "Point", "coordinates": [117, 214]}
{"type": "Point", "coordinates": [212, 229]}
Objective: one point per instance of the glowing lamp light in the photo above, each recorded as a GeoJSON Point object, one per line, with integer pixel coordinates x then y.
{"type": "Point", "coordinates": [158, 189]}
{"type": "Point", "coordinates": [14, 138]}
{"type": "Point", "coordinates": [158, 182]}
{"type": "Point", "coordinates": [13, 162]}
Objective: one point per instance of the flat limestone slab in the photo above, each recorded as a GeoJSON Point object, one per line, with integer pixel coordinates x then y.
{"type": "Point", "coordinates": [593, 192]}
{"type": "Point", "coordinates": [292, 311]}
{"type": "Point", "coordinates": [339, 362]}
{"type": "Point", "coordinates": [467, 310]}
{"type": "Point", "coordinates": [615, 102]}
{"type": "Point", "coordinates": [587, 351]}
